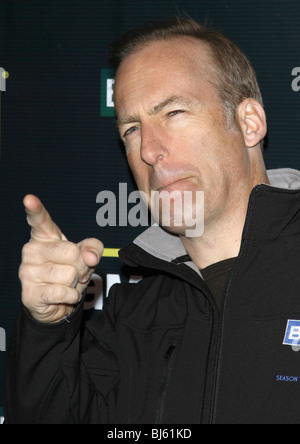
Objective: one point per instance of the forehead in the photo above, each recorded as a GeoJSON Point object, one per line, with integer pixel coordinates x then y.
{"type": "Point", "coordinates": [179, 66]}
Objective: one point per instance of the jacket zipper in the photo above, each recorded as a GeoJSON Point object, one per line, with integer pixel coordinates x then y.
{"type": "Point", "coordinates": [219, 347]}
{"type": "Point", "coordinates": [168, 360]}
{"type": "Point", "coordinates": [218, 357]}
{"type": "Point", "coordinates": [221, 329]}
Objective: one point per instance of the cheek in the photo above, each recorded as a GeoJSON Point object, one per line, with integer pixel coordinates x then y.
{"type": "Point", "coordinates": [209, 148]}
{"type": "Point", "coordinates": [139, 170]}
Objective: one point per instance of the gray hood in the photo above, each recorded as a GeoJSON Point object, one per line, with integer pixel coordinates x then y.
{"type": "Point", "coordinates": [168, 247]}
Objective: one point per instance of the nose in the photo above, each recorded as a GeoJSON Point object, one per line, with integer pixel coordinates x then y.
{"type": "Point", "coordinates": [153, 146]}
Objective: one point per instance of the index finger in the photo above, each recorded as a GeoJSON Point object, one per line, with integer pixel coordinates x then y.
{"type": "Point", "coordinates": [42, 226]}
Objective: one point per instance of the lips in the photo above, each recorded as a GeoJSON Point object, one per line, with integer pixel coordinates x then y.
{"type": "Point", "coordinates": [173, 183]}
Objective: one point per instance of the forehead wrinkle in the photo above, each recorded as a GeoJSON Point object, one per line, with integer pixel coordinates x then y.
{"type": "Point", "coordinates": [173, 100]}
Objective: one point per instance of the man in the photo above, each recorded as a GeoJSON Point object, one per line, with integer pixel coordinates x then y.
{"type": "Point", "coordinates": [200, 340]}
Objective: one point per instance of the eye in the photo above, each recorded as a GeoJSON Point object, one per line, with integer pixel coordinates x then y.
{"type": "Point", "coordinates": [130, 131]}
{"type": "Point", "coordinates": [175, 113]}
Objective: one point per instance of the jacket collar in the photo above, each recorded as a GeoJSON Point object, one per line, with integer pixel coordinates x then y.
{"type": "Point", "coordinates": [270, 212]}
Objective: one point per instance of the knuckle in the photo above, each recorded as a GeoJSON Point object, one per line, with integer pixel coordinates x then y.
{"type": "Point", "coordinates": [22, 272]}
{"type": "Point", "coordinates": [56, 291]}
{"type": "Point", "coordinates": [61, 274]}
{"type": "Point", "coordinates": [71, 252]}
{"type": "Point", "coordinates": [70, 275]}
{"type": "Point", "coordinates": [52, 294]}
{"type": "Point", "coordinates": [28, 251]}
{"type": "Point", "coordinates": [52, 272]}
{"type": "Point", "coordinates": [28, 274]}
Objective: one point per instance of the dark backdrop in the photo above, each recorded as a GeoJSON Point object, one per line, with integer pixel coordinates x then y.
{"type": "Point", "coordinates": [59, 143]}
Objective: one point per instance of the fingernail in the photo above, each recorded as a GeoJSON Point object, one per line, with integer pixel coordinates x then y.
{"type": "Point", "coordinates": [75, 282]}
{"type": "Point", "coordinates": [85, 279]}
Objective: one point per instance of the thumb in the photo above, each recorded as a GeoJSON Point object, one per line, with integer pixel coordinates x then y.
{"type": "Point", "coordinates": [91, 252]}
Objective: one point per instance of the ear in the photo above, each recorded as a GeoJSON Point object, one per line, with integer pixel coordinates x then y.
{"type": "Point", "coordinates": [251, 119]}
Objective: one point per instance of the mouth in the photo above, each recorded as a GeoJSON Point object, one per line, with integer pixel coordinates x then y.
{"type": "Point", "coordinates": [176, 184]}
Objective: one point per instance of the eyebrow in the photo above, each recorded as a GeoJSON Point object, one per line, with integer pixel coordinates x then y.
{"type": "Point", "coordinates": [173, 100]}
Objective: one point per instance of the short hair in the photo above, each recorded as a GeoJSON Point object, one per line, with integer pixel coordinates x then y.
{"type": "Point", "coordinates": [233, 75]}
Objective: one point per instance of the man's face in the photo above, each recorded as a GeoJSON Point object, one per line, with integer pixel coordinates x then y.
{"type": "Point", "coordinates": [173, 127]}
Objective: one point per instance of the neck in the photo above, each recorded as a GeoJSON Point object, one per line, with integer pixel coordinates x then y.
{"type": "Point", "coordinates": [215, 245]}
{"type": "Point", "coordinates": [222, 236]}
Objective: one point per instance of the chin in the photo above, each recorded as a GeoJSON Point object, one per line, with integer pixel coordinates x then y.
{"type": "Point", "coordinates": [179, 231]}
{"type": "Point", "coordinates": [181, 213]}
{"type": "Point", "coordinates": [187, 232]}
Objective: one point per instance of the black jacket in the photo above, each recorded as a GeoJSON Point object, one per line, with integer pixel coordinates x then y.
{"type": "Point", "coordinates": [160, 352]}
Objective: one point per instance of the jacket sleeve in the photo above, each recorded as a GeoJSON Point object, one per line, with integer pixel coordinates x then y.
{"type": "Point", "coordinates": [57, 374]}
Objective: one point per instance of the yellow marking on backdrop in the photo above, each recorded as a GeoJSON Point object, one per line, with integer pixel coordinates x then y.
{"type": "Point", "coordinates": [111, 252]}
